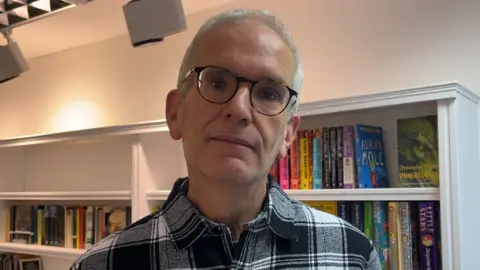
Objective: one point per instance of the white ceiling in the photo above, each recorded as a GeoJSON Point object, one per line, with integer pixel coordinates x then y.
{"type": "Point", "coordinates": [96, 21]}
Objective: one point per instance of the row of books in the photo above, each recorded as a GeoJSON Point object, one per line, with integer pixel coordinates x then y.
{"type": "Point", "coordinates": [406, 234]}
{"type": "Point", "coordinates": [64, 226]}
{"type": "Point", "coordinates": [12, 261]}
{"type": "Point", "coordinates": [354, 157]}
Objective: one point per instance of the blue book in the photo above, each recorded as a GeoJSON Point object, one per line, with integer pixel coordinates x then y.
{"type": "Point", "coordinates": [317, 159]}
{"type": "Point", "coordinates": [370, 157]}
{"type": "Point", "coordinates": [381, 231]}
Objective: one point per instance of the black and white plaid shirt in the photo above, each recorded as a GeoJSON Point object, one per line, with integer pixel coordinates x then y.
{"type": "Point", "coordinates": [286, 235]}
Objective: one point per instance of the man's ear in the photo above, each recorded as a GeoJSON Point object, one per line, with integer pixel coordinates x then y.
{"type": "Point", "coordinates": [172, 108]}
{"type": "Point", "coordinates": [292, 128]}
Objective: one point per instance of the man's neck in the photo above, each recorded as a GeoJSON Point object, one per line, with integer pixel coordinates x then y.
{"type": "Point", "coordinates": [227, 202]}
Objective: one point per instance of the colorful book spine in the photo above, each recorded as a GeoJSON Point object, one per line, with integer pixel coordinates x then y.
{"type": "Point", "coordinates": [370, 157]}
{"type": "Point", "coordinates": [339, 157]}
{"type": "Point", "coordinates": [34, 228]}
{"type": "Point", "coordinates": [357, 215]}
{"type": "Point", "coordinates": [284, 173]}
{"type": "Point", "coordinates": [428, 242]}
{"type": "Point", "coordinates": [381, 232]}
{"type": "Point", "coordinates": [327, 164]}
{"type": "Point", "coordinates": [348, 158]}
{"type": "Point", "coordinates": [41, 225]}
{"type": "Point", "coordinates": [393, 233]}
{"type": "Point", "coordinates": [304, 164]}
{"type": "Point", "coordinates": [295, 163]}
{"type": "Point", "coordinates": [310, 158]}
{"type": "Point", "coordinates": [438, 230]}
{"type": "Point", "coordinates": [317, 158]}
{"type": "Point", "coordinates": [325, 206]}
{"type": "Point", "coordinates": [343, 209]}
{"type": "Point", "coordinates": [415, 235]}
{"type": "Point", "coordinates": [368, 223]}
{"type": "Point", "coordinates": [274, 171]}
{"type": "Point", "coordinates": [333, 154]}
{"type": "Point", "coordinates": [406, 236]}
{"type": "Point", "coordinates": [74, 227]}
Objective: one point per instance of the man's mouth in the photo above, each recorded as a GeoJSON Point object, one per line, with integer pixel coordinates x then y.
{"type": "Point", "coordinates": [234, 140]}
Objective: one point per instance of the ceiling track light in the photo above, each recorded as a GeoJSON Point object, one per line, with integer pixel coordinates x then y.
{"type": "Point", "coordinates": [12, 62]}
{"type": "Point", "coordinates": [150, 21]}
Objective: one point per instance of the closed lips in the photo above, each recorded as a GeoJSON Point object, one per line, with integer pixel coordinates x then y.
{"type": "Point", "coordinates": [234, 141]}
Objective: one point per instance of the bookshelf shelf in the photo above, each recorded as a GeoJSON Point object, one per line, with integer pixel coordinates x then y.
{"type": "Point", "coordinates": [157, 195]}
{"type": "Point", "coordinates": [38, 250]}
{"type": "Point", "coordinates": [377, 194]}
{"type": "Point", "coordinates": [67, 196]}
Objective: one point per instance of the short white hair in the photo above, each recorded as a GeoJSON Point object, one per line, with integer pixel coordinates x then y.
{"type": "Point", "coordinates": [236, 15]}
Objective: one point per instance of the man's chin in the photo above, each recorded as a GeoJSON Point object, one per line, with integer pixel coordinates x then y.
{"type": "Point", "coordinates": [233, 172]}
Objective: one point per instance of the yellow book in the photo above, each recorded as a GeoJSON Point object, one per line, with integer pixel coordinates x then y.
{"type": "Point", "coordinates": [394, 255]}
{"type": "Point", "coordinates": [40, 226]}
{"type": "Point", "coordinates": [304, 164]}
{"type": "Point", "coordinates": [68, 228]}
{"type": "Point", "coordinates": [325, 206]}
{"type": "Point", "coordinates": [78, 229]}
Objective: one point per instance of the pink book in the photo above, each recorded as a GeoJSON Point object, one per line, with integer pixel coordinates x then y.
{"type": "Point", "coordinates": [284, 173]}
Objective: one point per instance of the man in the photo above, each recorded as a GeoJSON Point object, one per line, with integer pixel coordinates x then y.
{"type": "Point", "coordinates": [234, 110]}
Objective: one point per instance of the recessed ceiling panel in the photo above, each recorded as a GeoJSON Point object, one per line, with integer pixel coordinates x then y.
{"type": "Point", "coordinates": [18, 12]}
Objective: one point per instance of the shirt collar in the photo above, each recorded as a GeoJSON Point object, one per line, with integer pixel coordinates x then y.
{"type": "Point", "coordinates": [185, 224]}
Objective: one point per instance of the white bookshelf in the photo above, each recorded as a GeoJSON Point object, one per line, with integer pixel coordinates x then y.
{"type": "Point", "coordinates": [378, 194]}
{"type": "Point", "coordinates": [119, 195]}
{"type": "Point", "coordinates": [137, 164]}
{"type": "Point", "coordinates": [44, 251]}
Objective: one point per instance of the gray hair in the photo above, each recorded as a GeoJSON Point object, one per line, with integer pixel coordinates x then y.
{"type": "Point", "coordinates": [238, 15]}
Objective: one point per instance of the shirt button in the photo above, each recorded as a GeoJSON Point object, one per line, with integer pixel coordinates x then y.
{"type": "Point", "coordinates": [217, 230]}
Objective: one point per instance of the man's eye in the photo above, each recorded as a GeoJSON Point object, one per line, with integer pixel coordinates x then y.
{"type": "Point", "coordinates": [218, 83]}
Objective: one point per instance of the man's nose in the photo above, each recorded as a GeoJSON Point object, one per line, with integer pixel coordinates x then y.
{"type": "Point", "coordinates": [239, 108]}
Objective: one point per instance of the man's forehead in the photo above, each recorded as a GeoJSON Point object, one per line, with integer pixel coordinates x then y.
{"type": "Point", "coordinates": [247, 47]}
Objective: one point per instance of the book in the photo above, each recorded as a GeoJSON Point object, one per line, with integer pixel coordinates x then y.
{"type": "Point", "coordinates": [429, 256]}
{"type": "Point", "coordinates": [418, 152]}
{"type": "Point", "coordinates": [283, 171]}
{"type": "Point", "coordinates": [343, 210]}
{"type": "Point", "coordinates": [333, 156]}
{"type": "Point", "coordinates": [357, 215]}
{"type": "Point", "coordinates": [295, 163]}
{"type": "Point", "coordinates": [349, 172]}
{"type": "Point", "coordinates": [368, 224]}
{"type": "Point", "coordinates": [317, 158]}
{"type": "Point", "coordinates": [325, 206]}
{"type": "Point", "coordinates": [304, 159]}
{"type": "Point", "coordinates": [327, 162]}
{"type": "Point", "coordinates": [339, 157]}
{"type": "Point", "coordinates": [381, 231]}
{"type": "Point", "coordinates": [406, 236]}
{"type": "Point", "coordinates": [394, 253]}
{"type": "Point", "coordinates": [370, 157]}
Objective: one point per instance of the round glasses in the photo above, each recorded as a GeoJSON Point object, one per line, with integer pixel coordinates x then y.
{"type": "Point", "coordinates": [219, 85]}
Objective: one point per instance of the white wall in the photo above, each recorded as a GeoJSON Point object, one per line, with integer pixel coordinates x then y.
{"type": "Point", "coordinates": [348, 48]}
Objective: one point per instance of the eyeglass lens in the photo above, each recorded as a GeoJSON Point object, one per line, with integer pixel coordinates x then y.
{"type": "Point", "coordinates": [218, 85]}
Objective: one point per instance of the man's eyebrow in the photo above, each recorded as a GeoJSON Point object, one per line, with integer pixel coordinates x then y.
{"type": "Point", "coordinates": [276, 78]}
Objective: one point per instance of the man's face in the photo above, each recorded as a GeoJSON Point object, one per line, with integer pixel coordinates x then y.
{"type": "Point", "coordinates": [233, 141]}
